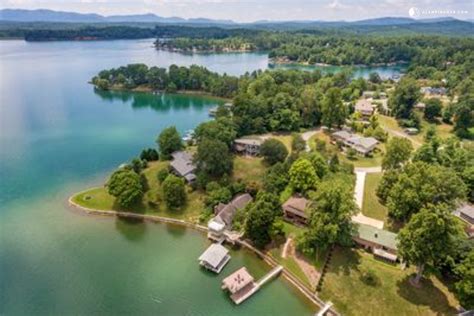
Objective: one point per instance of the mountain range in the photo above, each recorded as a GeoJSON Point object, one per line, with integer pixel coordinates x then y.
{"type": "Point", "coordinates": [43, 15]}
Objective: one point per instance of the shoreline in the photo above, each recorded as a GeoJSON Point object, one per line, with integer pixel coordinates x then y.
{"type": "Point", "coordinates": [146, 89]}
{"type": "Point", "coordinates": [293, 280]}
{"type": "Point", "coordinates": [283, 61]}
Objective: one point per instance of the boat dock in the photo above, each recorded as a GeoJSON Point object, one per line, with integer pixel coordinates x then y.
{"type": "Point", "coordinates": [241, 284]}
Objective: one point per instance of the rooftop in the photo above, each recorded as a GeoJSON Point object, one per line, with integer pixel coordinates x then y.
{"type": "Point", "coordinates": [214, 255]}
{"type": "Point", "coordinates": [364, 105]}
{"type": "Point", "coordinates": [182, 162]}
{"type": "Point", "coordinates": [237, 280]}
{"type": "Point", "coordinates": [226, 212]}
{"type": "Point", "coordinates": [296, 205]}
{"type": "Point", "coordinates": [248, 141]}
{"type": "Point", "coordinates": [377, 236]}
{"type": "Point", "coordinates": [467, 209]}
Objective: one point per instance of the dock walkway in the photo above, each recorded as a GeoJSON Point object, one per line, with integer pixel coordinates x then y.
{"type": "Point", "coordinates": [254, 287]}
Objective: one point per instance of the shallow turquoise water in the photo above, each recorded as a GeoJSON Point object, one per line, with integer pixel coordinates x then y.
{"type": "Point", "coordinates": [58, 136]}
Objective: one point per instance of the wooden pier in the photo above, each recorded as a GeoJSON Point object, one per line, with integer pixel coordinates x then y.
{"type": "Point", "coordinates": [242, 286]}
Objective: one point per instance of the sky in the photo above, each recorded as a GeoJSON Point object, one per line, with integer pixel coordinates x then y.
{"type": "Point", "coordinates": [254, 10]}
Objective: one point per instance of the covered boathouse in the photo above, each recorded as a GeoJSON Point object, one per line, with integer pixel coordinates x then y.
{"type": "Point", "coordinates": [214, 258]}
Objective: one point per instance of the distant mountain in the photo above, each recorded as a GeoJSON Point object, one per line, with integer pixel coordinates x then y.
{"type": "Point", "coordinates": [385, 21]}
{"type": "Point", "coordinates": [41, 15]}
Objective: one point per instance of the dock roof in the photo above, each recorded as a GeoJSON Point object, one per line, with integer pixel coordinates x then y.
{"type": "Point", "coordinates": [237, 280]}
{"type": "Point", "coordinates": [214, 255]}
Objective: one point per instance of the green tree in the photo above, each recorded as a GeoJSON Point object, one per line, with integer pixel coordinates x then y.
{"type": "Point", "coordinates": [303, 176]}
{"type": "Point", "coordinates": [149, 154]}
{"type": "Point", "coordinates": [174, 191]}
{"type": "Point", "coordinates": [404, 97]}
{"type": "Point", "coordinates": [273, 151]}
{"type": "Point", "coordinates": [428, 238]}
{"type": "Point", "coordinates": [334, 112]}
{"type": "Point", "coordinates": [421, 184]}
{"type": "Point", "coordinates": [126, 186]}
{"type": "Point", "coordinates": [222, 129]}
{"type": "Point", "coordinates": [433, 109]}
{"type": "Point", "coordinates": [465, 286]}
{"type": "Point", "coordinates": [276, 178]}
{"type": "Point", "coordinates": [398, 153]}
{"type": "Point", "coordinates": [319, 163]}
{"type": "Point", "coordinates": [331, 212]}
{"type": "Point", "coordinates": [389, 178]}
{"type": "Point", "coordinates": [213, 158]}
{"type": "Point", "coordinates": [297, 143]}
{"type": "Point", "coordinates": [169, 141]}
{"type": "Point", "coordinates": [261, 216]}
{"type": "Point", "coordinates": [464, 117]}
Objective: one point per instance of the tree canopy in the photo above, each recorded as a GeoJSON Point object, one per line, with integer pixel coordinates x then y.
{"type": "Point", "coordinates": [273, 151]}
{"type": "Point", "coordinates": [429, 237]}
{"type": "Point", "coordinates": [126, 186]}
{"type": "Point", "coordinates": [169, 141]}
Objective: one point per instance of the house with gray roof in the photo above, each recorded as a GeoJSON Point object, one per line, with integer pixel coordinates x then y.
{"type": "Point", "coordinates": [224, 214]}
{"type": "Point", "coordinates": [183, 166]}
{"type": "Point", "coordinates": [362, 145]}
{"type": "Point", "coordinates": [214, 258]}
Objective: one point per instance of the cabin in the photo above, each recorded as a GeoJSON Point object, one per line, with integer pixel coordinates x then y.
{"type": "Point", "coordinates": [465, 212]}
{"type": "Point", "coordinates": [420, 106]}
{"type": "Point", "coordinates": [248, 146]}
{"type": "Point", "coordinates": [224, 214]}
{"type": "Point", "coordinates": [433, 91]}
{"type": "Point", "coordinates": [365, 108]}
{"type": "Point", "coordinates": [214, 258]}
{"type": "Point", "coordinates": [362, 145]}
{"type": "Point", "coordinates": [368, 94]}
{"type": "Point", "coordinates": [294, 210]}
{"type": "Point", "coordinates": [239, 284]}
{"type": "Point", "coordinates": [381, 243]}
{"type": "Point", "coordinates": [182, 165]}
{"type": "Point", "coordinates": [411, 130]}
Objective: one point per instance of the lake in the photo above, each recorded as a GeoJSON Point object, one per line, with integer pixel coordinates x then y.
{"type": "Point", "coordinates": [59, 136]}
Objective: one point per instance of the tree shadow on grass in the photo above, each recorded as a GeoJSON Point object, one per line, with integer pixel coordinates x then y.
{"type": "Point", "coordinates": [344, 260]}
{"type": "Point", "coordinates": [132, 229]}
{"type": "Point", "coordinates": [426, 295]}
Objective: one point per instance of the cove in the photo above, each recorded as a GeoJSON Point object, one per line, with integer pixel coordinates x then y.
{"type": "Point", "coordinates": [59, 136]}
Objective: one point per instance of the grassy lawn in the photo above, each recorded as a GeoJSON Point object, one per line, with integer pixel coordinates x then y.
{"type": "Point", "coordinates": [152, 204]}
{"type": "Point", "coordinates": [248, 169]}
{"type": "Point", "coordinates": [371, 206]}
{"type": "Point", "coordinates": [392, 293]}
{"type": "Point", "coordinates": [443, 130]}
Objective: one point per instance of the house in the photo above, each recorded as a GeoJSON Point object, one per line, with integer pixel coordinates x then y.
{"type": "Point", "coordinates": [239, 284]}
{"type": "Point", "coordinates": [364, 107]}
{"type": "Point", "coordinates": [362, 145]}
{"type": "Point", "coordinates": [294, 210]}
{"type": "Point", "coordinates": [183, 166]}
{"type": "Point", "coordinates": [214, 258]}
{"type": "Point", "coordinates": [224, 214]}
{"type": "Point", "coordinates": [466, 213]}
{"type": "Point", "coordinates": [368, 94]}
{"type": "Point", "coordinates": [420, 106]}
{"type": "Point", "coordinates": [382, 243]}
{"type": "Point", "coordinates": [433, 91]}
{"type": "Point", "coordinates": [411, 131]}
{"type": "Point", "coordinates": [248, 146]}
